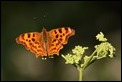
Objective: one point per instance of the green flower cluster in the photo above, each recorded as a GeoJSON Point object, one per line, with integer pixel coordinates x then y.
{"type": "Point", "coordinates": [104, 49]}
{"type": "Point", "coordinates": [80, 61]}
{"type": "Point", "coordinates": [76, 56]}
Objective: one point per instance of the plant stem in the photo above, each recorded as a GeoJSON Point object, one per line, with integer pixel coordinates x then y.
{"type": "Point", "coordinates": [87, 63]}
{"type": "Point", "coordinates": [80, 74]}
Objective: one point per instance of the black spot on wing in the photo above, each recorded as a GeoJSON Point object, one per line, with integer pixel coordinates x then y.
{"type": "Point", "coordinates": [60, 30]}
{"type": "Point", "coordinates": [33, 35]}
{"type": "Point", "coordinates": [66, 30]}
{"type": "Point", "coordinates": [28, 35]}
{"type": "Point", "coordinates": [57, 36]}
{"type": "Point", "coordinates": [33, 39]}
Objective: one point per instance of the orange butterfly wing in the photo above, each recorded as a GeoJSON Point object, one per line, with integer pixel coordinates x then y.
{"type": "Point", "coordinates": [46, 43]}
{"type": "Point", "coordinates": [34, 42]}
{"type": "Point", "coordinates": [57, 38]}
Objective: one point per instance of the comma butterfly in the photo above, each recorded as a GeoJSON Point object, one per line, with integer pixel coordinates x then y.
{"type": "Point", "coordinates": [46, 43]}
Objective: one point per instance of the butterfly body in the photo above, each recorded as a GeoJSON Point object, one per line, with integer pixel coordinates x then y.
{"type": "Point", "coordinates": [46, 43]}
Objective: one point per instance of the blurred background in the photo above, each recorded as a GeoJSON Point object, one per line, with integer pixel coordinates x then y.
{"type": "Point", "coordinates": [88, 18]}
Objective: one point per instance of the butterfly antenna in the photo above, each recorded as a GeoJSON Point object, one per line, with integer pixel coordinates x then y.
{"type": "Point", "coordinates": [44, 19]}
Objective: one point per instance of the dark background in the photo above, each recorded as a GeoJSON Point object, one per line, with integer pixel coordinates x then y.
{"type": "Point", "coordinates": [88, 18]}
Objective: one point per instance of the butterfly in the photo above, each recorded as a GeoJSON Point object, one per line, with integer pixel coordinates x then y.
{"type": "Point", "coordinates": [46, 43]}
